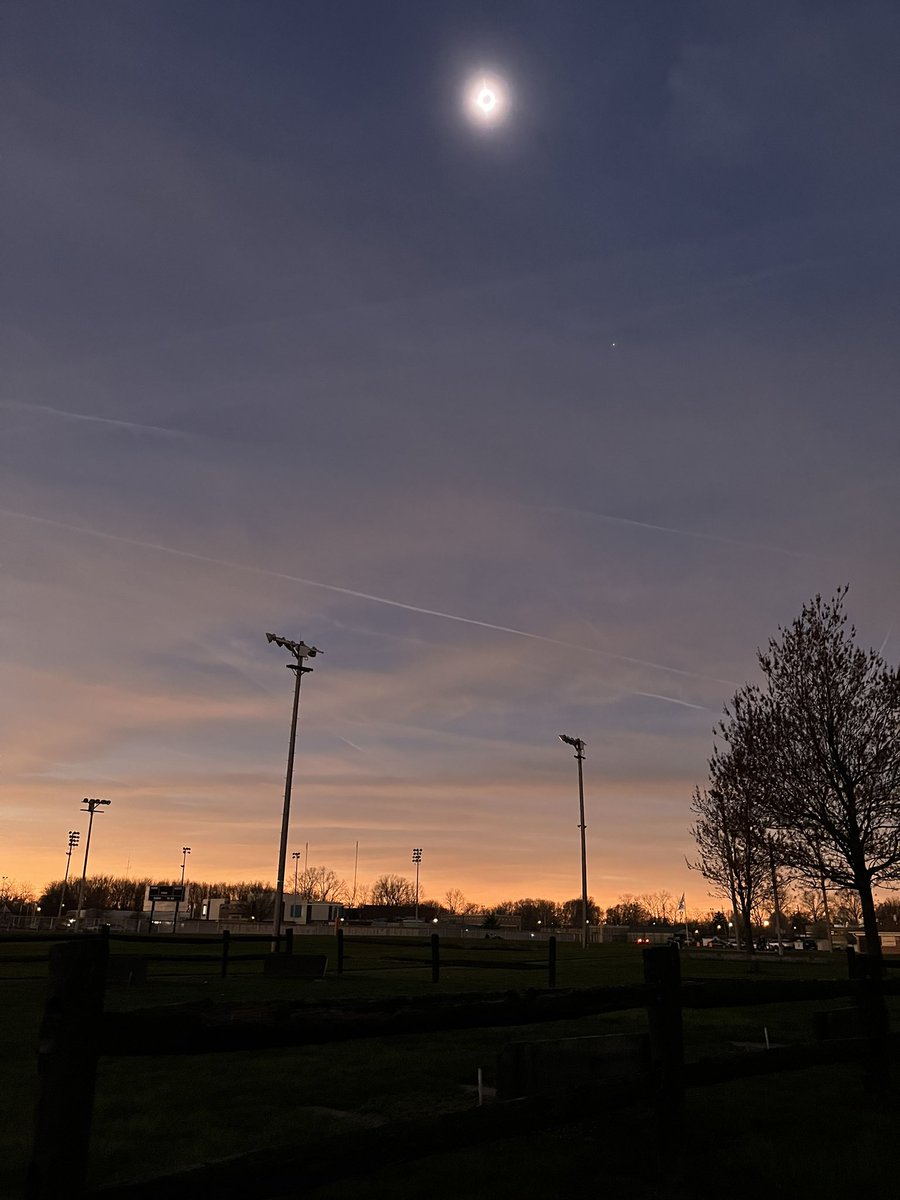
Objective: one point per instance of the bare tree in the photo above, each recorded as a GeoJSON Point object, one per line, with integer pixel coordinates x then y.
{"type": "Point", "coordinates": [810, 902]}
{"type": "Point", "coordinates": [454, 901]}
{"type": "Point", "coordinates": [321, 885]}
{"type": "Point", "coordinates": [570, 912]}
{"type": "Point", "coordinates": [659, 905]}
{"type": "Point", "coordinates": [730, 824]}
{"type": "Point", "coordinates": [628, 910]}
{"type": "Point", "coordinates": [831, 760]}
{"type": "Point", "coordinates": [15, 897]}
{"type": "Point", "coordinates": [846, 907]}
{"type": "Point", "coordinates": [393, 891]}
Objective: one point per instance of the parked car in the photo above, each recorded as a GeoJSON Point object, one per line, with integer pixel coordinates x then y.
{"type": "Point", "coordinates": [642, 940]}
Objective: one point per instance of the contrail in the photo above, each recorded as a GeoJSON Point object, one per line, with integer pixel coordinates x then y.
{"type": "Point", "coordinates": [672, 700]}
{"type": "Point", "coordinates": [341, 738]}
{"type": "Point", "coordinates": [690, 533]}
{"type": "Point", "coordinates": [135, 426]}
{"type": "Point", "coordinates": [343, 591]}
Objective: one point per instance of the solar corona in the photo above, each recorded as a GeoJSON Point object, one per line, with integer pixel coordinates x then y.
{"type": "Point", "coordinates": [487, 100]}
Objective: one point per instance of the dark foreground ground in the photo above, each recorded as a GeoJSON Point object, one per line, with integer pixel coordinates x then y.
{"type": "Point", "coordinates": [806, 1133]}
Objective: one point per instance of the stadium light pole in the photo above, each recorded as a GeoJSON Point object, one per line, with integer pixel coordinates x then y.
{"type": "Point", "coordinates": [185, 851]}
{"type": "Point", "coordinates": [417, 859]}
{"type": "Point", "coordinates": [74, 838]}
{"type": "Point", "coordinates": [296, 857]}
{"type": "Point", "coordinates": [92, 806]}
{"type": "Point", "coordinates": [578, 745]}
{"type": "Point", "coordinates": [300, 651]}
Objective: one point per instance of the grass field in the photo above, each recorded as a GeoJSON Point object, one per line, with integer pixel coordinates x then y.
{"type": "Point", "coordinates": [805, 1133]}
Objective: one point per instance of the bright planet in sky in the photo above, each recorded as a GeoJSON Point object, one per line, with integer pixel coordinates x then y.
{"type": "Point", "coordinates": [486, 99]}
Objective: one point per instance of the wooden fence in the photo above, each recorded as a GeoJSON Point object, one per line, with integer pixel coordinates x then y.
{"type": "Point", "coordinates": [75, 1033]}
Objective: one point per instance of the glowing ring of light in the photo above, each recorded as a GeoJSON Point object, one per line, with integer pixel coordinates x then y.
{"type": "Point", "coordinates": [486, 99]}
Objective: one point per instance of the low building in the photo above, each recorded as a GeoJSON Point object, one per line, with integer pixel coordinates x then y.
{"type": "Point", "coordinates": [298, 911]}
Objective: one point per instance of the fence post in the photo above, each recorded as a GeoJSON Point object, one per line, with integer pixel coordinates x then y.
{"type": "Point", "coordinates": [226, 938]}
{"type": "Point", "coordinates": [289, 941]}
{"type": "Point", "coordinates": [551, 962]}
{"type": "Point", "coordinates": [339, 934]}
{"type": "Point", "coordinates": [435, 958]}
{"type": "Point", "coordinates": [67, 1067]}
{"type": "Point", "coordinates": [662, 974]}
{"type": "Point", "coordinates": [866, 973]}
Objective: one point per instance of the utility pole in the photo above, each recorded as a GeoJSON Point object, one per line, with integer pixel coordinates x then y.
{"type": "Point", "coordinates": [300, 651]}
{"type": "Point", "coordinates": [578, 744]}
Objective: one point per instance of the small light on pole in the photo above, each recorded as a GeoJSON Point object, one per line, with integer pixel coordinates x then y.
{"type": "Point", "coordinates": [417, 859]}
{"type": "Point", "coordinates": [578, 744]}
{"type": "Point", "coordinates": [300, 651]}
{"type": "Point", "coordinates": [296, 857]}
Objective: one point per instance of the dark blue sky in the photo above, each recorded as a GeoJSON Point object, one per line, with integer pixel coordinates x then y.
{"type": "Point", "coordinates": [619, 372]}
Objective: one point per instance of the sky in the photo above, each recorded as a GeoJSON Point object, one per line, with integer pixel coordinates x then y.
{"type": "Point", "coordinates": [534, 427]}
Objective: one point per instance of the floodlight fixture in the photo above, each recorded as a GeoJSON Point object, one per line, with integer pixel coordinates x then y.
{"type": "Point", "coordinates": [298, 649]}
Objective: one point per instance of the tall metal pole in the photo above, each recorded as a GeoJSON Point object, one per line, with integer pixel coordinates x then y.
{"type": "Point", "coordinates": [92, 806]}
{"type": "Point", "coordinates": [296, 857]}
{"type": "Point", "coordinates": [74, 838]}
{"type": "Point", "coordinates": [578, 744]}
{"type": "Point", "coordinates": [185, 851]}
{"type": "Point", "coordinates": [417, 858]}
{"type": "Point", "coordinates": [579, 754]}
{"type": "Point", "coordinates": [300, 651]}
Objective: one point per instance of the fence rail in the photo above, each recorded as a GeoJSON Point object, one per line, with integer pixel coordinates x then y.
{"type": "Point", "coordinates": [75, 1033]}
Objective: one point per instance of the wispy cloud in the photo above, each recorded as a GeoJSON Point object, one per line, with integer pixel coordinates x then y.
{"type": "Point", "coordinates": [688, 533]}
{"type": "Point", "coordinates": [673, 700]}
{"type": "Point", "coordinates": [91, 418]}
{"type": "Point", "coordinates": [359, 595]}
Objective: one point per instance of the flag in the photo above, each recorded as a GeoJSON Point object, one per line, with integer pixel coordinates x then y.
{"type": "Point", "coordinates": [680, 907]}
